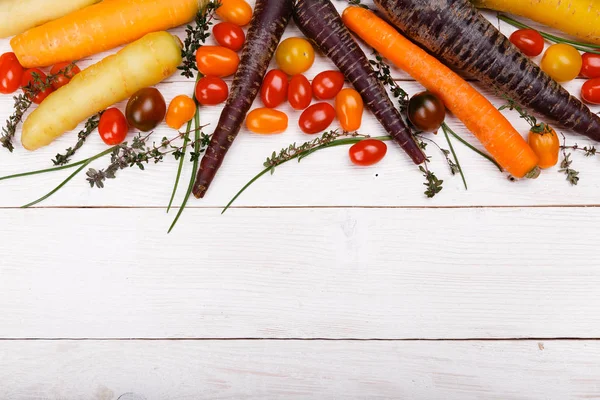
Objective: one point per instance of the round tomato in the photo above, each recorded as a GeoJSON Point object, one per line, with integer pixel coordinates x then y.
{"type": "Point", "coordinates": [529, 41]}
{"type": "Point", "coordinates": [426, 112]}
{"type": "Point", "coordinates": [349, 108]}
{"type": "Point", "coordinates": [295, 55]}
{"type": "Point", "coordinates": [545, 144]}
{"type": "Point", "coordinates": [146, 109]}
{"type": "Point", "coordinates": [274, 88]}
{"type": "Point", "coordinates": [266, 121]}
{"type": "Point", "coordinates": [181, 110]}
{"type": "Point", "coordinates": [229, 35]}
{"type": "Point", "coordinates": [62, 74]}
{"type": "Point", "coordinates": [327, 84]}
{"type": "Point", "coordinates": [32, 89]}
{"type": "Point", "coordinates": [236, 11]}
{"type": "Point", "coordinates": [590, 67]}
{"type": "Point", "coordinates": [217, 61]}
{"type": "Point", "coordinates": [562, 62]}
{"type": "Point", "coordinates": [367, 152]}
{"type": "Point", "coordinates": [11, 73]}
{"type": "Point", "coordinates": [299, 92]}
{"type": "Point", "coordinates": [211, 91]}
{"type": "Point", "coordinates": [590, 91]}
{"type": "Point", "coordinates": [316, 118]}
{"type": "Point", "coordinates": [113, 127]}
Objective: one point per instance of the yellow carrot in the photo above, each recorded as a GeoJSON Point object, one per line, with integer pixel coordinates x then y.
{"type": "Point", "coordinates": [19, 15]}
{"type": "Point", "coordinates": [100, 27]}
{"type": "Point", "coordinates": [143, 63]}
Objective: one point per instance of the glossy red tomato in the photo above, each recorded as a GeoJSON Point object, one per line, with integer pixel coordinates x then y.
{"type": "Point", "coordinates": [317, 118]}
{"type": "Point", "coordinates": [529, 41]}
{"type": "Point", "coordinates": [274, 88]}
{"type": "Point", "coordinates": [63, 73]}
{"type": "Point", "coordinates": [591, 65]}
{"type": "Point", "coordinates": [299, 92]}
{"type": "Point", "coordinates": [327, 84]}
{"type": "Point", "coordinates": [229, 35]}
{"type": "Point", "coordinates": [32, 89]}
{"type": "Point", "coordinates": [367, 152]}
{"type": "Point", "coordinates": [590, 91]}
{"type": "Point", "coordinates": [211, 91]}
{"type": "Point", "coordinates": [217, 61]}
{"type": "Point", "coordinates": [113, 127]}
{"type": "Point", "coordinates": [11, 73]}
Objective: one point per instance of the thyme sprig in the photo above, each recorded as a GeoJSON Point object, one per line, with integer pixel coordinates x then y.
{"type": "Point", "coordinates": [196, 35]}
{"type": "Point", "coordinates": [90, 125]}
{"type": "Point", "coordinates": [536, 127]}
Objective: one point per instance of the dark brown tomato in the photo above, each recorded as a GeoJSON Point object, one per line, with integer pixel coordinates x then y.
{"type": "Point", "coordinates": [426, 112]}
{"type": "Point", "coordinates": [146, 109]}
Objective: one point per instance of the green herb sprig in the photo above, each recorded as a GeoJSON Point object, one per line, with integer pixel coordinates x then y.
{"type": "Point", "coordinates": [90, 126]}
{"type": "Point", "coordinates": [196, 34]}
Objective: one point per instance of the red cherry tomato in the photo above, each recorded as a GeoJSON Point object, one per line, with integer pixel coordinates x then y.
{"type": "Point", "coordinates": [11, 73]}
{"type": "Point", "coordinates": [274, 89]}
{"type": "Point", "coordinates": [229, 35]}
{"type": "Point", "coordinates": [211, 91]}
{"type": "Point", "coordinates": [327, 84]}
{"type": "Point", "coordinates": [529, 41]}
{"type": "Point", "coordinates": [367, 152]}
{"type": "Point", "coordinates": [590, 91]}
{"type": "Point", "coordinates": [33, 91]}
{"type": "Point", "coordinates": [63, 74]}
{"type": "Point", "coordinates": [299, 92]}
{"type": "Point", "coordinates": [591, 65]}
{"type": "Point", "coordinates": [316, 118]}
{"type": "Point", "coordinates": [113, 127]}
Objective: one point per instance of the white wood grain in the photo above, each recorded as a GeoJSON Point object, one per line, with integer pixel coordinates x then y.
{"type": "Point", "coordinates": [334, 273]}
{"type": "Point", "coordinates": [167, 370]}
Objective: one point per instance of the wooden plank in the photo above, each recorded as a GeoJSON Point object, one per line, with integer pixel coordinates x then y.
{"type": "Point", "coordinates": [300, 273]}
{"type": "Point", "coordinates": [136, 370]}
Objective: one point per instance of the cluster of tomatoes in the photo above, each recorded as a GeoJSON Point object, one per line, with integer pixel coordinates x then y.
{"type": "Point", "coordinates": [562, 62]}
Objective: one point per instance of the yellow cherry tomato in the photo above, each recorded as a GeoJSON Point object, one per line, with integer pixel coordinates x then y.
{"type": "Point", "coordinates": [349, 109]}
{"type": "Point", "coordinates": [237, 12]}
{"type": "Point", "coordinates": [544, 142]}
{"type": "Point", "coordinates": [266, 121]}
{"type": "Point", "coordinates": [295, 55]}
{"type": "Point", "coordinates": [181, 110]}
{"type": "Point", "coordinates": [562, 62]}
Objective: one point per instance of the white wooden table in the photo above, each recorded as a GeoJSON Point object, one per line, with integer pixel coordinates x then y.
{"type": "Point", "coordinates": [326, 281]}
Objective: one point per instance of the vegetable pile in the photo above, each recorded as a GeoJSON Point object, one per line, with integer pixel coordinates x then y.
{"type": "Point", "coordinates": [424, 38]}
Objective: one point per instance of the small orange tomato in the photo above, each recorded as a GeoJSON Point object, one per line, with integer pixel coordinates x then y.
{"type": "Point", "coordinates": [545, 144]}
{"type": "Point", "coordinates": [181, 110]}
{"type": "Point", "coordinates": [217, 61]}
{"type": "Point", "coordinates": [266, 121]}
{"type": "Point", "coordinates": [238, 12]}
{"type": "Point", "coordinates": [349, 108]}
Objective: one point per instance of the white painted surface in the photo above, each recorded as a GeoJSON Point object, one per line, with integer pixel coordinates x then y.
{"type": "Point", "coordinates": [319, 250]}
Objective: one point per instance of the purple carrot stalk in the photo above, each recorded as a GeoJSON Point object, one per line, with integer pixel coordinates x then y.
{"type": "Point", "coordinates": [456, 33]}
{"type": "Point", "coordinates": [266, 28]}
{"type": "Point", "coordinates": [320, 21]}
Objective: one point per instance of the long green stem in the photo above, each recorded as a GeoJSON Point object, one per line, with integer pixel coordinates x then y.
{"type": "Point", "coordinates": [186, 140]}
{"type": "Point", "coordinates": [587, 47]}
{"type": "Point", "coordinates": [462, 175]}
{"type": "Point", "coordinates": [83, 163]}
{"type": "Point", "coordinates": [43, 171]}
{"type": "Point", "coordinates": [194, 169]}
{"type": "Point", "coordinates": [470, 146]}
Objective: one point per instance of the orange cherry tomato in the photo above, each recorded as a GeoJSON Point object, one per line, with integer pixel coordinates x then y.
{"type": "Point", "coordinates": [274, 88]}
{"type": "Point", "coordinates": [229, 35]}
{"type": "Point", "coordinates": [63, 74]}
{"type": "Point", "coordinates": [217, 61]}
{"type": "Point", "coordinates": [545, 144]}
{"type": "Point", "coordinates": [181, 110]}
{"type": "Point", "coordinates": [11, 73]}
{"type": "Point", "coordinates": [32, 89]}
{"type": "Point", "coordinates": [316, 118]}
{"type": "Point", "coordinates": [367, 152]}
{"type": "Point", "coordinates": [349, 108]}
{"type": "Point", "coordinates": [211, 91]}
{"type": "Point", "coordinates": [266, 121]}
{"type": "Point", "coordinates": [295, 55]}
{"type": "Point", "coordinates": [236, 11]}
{"type": "Point", "coordinates": [327, 84]}
{"type": "Point", "coordinates": [299, 92]}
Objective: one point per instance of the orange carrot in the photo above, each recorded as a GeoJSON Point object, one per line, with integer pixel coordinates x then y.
{"type": "Point", "coordinates": [490, 127]}
{"type": "Point", "coordinates": [98, 28]}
